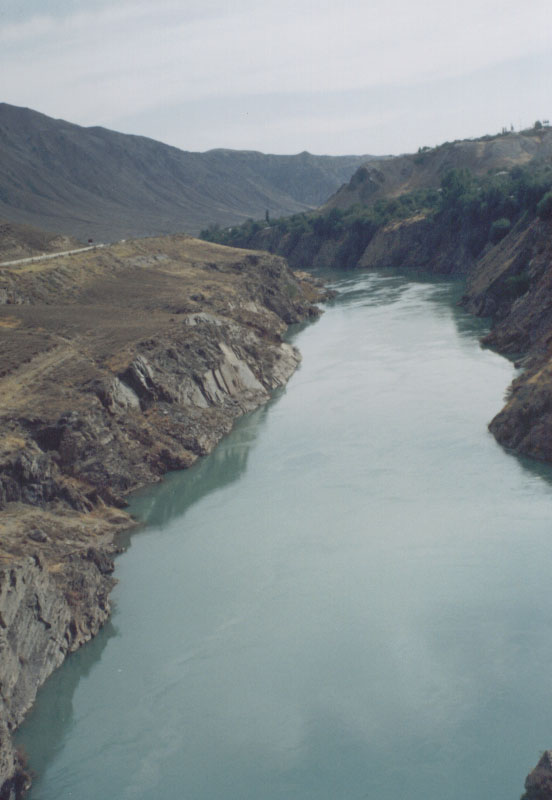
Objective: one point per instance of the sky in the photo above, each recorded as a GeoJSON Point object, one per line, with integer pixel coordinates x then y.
{"type": "Point", "coordinates": [354, 76]}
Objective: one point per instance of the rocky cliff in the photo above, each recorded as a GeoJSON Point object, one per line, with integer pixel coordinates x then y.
{"type": "Point", "coordinates": [538, 784]}
{"type": "Point", "coordinates": [116, 366]}
{"type": "Point", "coordinates": [513, 284]}
{"type": "Point", "coordinates": [418, 241]}
{"type": "Point", "coordinates": [509, 279]}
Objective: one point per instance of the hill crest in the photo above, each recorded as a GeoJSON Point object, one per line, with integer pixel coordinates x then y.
{"type": "Point", "coordinates": [97, 183]}
{"type": "Point", "coordinates": [398, 175]}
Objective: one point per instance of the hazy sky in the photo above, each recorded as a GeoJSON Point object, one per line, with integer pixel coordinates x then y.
{"type": "Point", "coordinates": [355, 76]}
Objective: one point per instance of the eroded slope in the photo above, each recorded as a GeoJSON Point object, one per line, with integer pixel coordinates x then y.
{"type": "Point", "coordinates": [513, 284]}
{"type": "Point", "coordinates": [116, 365]}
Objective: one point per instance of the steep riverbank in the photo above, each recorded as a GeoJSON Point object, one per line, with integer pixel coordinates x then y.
{"type": "Point", "coordinates": [116, 366]}
{"type": "Point", "coordinates": [339, 579]}
{"type": "Point", "coordinates": [509, 280]}
{"type": "Point", "coordinates": [512, 284]}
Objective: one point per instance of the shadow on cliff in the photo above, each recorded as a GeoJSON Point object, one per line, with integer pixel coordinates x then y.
{"type": "Point", "coordinates": [54, 706]}
{"type": "Point", "coordinates": [470, 327]}
{"type": "Point", "coordinates": [180, 490]}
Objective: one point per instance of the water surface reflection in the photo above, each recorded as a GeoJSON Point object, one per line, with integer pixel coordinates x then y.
{"type": "Point", "coordinates": [350, 598]}
{"type": "Point", "coordinates": [224, 466]}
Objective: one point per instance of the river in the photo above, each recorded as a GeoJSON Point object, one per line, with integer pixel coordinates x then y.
{"type": "Point", "coordinates": [350, 598]}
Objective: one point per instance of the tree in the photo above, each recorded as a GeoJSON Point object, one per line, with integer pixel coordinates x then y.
{"type": "Point", "coordinates": [456, 183]}
{"type": "Point", "coordinates": [499, 229]}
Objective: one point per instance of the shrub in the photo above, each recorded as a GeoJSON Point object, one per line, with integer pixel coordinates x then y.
{"type": "Point", "coordinates": [499, 229]}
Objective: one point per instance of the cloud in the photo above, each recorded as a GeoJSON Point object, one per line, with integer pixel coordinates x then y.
{"type": "Point", "coordinates": [98, 62]}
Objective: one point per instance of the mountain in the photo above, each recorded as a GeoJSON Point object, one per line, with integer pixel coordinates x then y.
{"type": "Point", "coordinates": [96, 183]}
{"type": "Point", "coordinates": [398, 175]}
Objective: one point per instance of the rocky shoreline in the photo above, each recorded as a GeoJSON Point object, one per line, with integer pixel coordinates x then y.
{"type": "Point", "coordinates": [118, 365]}
{"type": "Point", "coordinates": [123, 363]}
{"type": "Point", "coordinates": [509, 281]}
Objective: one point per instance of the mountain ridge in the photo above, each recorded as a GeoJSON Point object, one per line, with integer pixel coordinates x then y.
{"type": "Point", "coordinates": [97, 183]}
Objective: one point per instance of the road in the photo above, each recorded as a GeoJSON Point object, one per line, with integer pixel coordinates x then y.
{"type": "Point", "coordinates": [49, 255]}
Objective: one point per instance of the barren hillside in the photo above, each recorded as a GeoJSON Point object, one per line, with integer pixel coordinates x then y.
{"type": "Point", "coordinates": [96, 183]}
{"type": "Point", "coordinates": [399, 175]}
{"type": "Point", "coordinates": [25, 241]}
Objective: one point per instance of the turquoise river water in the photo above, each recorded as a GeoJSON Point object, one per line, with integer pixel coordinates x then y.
{"type": "Point", "coordinates": [349, 599]}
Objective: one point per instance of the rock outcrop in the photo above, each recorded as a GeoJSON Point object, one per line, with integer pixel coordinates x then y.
{"type": "Point", "coordinates": [512, 284]}
{"type": "Point", "coordinates": [538, 784]}
{"type": "Point", "coordinates": [48, 609]}
{"type": "Point", "coordinates": [417, 243]}
{"type": "Point", "coordinates": [116, 366]}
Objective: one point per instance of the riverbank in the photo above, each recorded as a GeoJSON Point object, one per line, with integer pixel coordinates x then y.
{"type": "Point", "coordinates": [508, 275]}
{"type": "Point", "coordinates": [337, 583]}
{"type": "Point", "coordinates": [510, 283]}
{"type": "Point", "coordinates": [117, 366]}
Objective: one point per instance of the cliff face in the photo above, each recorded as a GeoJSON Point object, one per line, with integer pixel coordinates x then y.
{"type": "Point", "coordinates": [538, 784]}
{"type": "Point", "coordinates": [49, 608]}
{"type": "Point", "coordinates": [117, 365]}
{"type": "Point", "coordinates": [513, 284]}
{"type": "Point", "coordinates": [417, 242]}
{"type": "Point", "coordinates": [510, 282]}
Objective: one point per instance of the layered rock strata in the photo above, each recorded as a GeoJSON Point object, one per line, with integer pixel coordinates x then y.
{"type": "Point", "coordinates": [116, 366]}
{"type": "Point", "coordinates": [512, 283]}
{"type": "Point", "coordinates": [538, 784]}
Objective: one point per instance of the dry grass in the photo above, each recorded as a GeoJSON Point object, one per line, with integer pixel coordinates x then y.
{"type": "Point", "coordinates": [92, 308]}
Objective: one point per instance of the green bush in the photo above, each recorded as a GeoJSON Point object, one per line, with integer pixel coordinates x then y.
{"type": "Point", "coordinates": [480, 209]}
{"type": "Point", "coordinates": [457, 184]}
{"type": "Point", "coordinates": [499, 229]}
{"type": "Point", "coordinates": [329, 225]}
